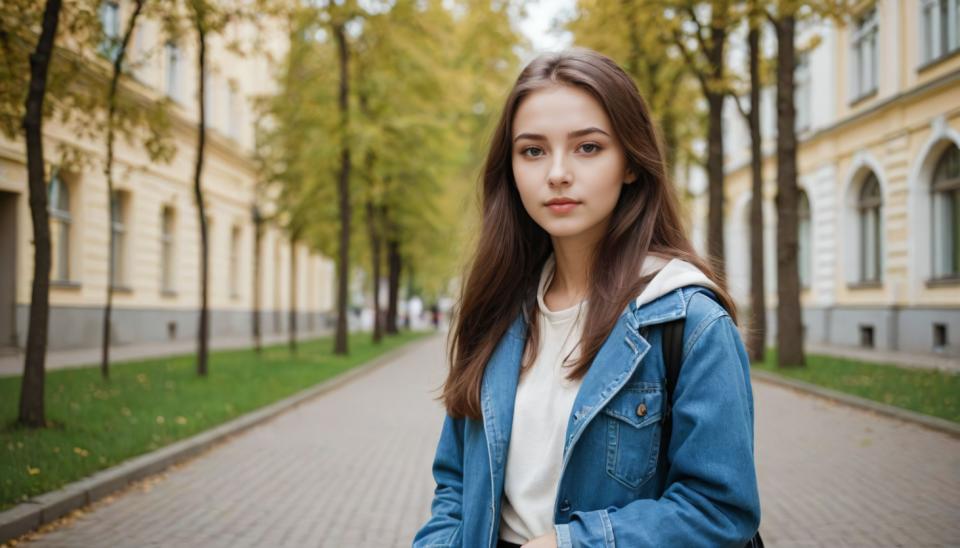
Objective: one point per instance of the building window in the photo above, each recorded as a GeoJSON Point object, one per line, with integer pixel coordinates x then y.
{"type": "Point", "coordinates": [946, 214]}
{"type": "Point", "coordinates": [208, 104]}
{"type": "Point", "coordinates": [173, 70]}
{"type": "Point", "coordinates": [166, 250]}
{"type": "Point", "coordinates": [233, 103]}
{"type": "Point", "coordinates": [110, 23]}
{"type": "Point", "coordinates": [864, 54]}
{"type": "Point", "coordinates": [869, 209]}
{"type": "Point", "coordinates": [118, 239]}
{"type": "Point", "coordinates": [804, 240]}
{"type": "Point", "coordinates": [939, 20]}
{"type": "Point", "coordinates": [60, 221]}
{"type": "Point", "coordinates": [802, 97]}
{"type": "Point", "coordinates": [235, 262]}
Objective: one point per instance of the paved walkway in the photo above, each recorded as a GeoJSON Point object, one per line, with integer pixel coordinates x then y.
{"type": "Point", "coordinates": [352, 469]}
{"type": "Point", "coordinates": [11, 363]}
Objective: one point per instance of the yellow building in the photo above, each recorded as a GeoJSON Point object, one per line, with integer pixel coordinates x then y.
{"type": "Point", "coordinates": [878, 109]}
{"type": "Point", "coordinates": [152, 219]}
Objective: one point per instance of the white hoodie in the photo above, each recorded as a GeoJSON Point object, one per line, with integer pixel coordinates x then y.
{"type": "Point", "coordinates": [545, 398]}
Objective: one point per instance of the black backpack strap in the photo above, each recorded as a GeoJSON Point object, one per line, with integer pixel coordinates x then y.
{"type": "Point", "coordinates": [672, 344]}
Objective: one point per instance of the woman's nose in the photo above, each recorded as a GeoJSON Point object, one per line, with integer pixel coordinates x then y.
{"type": "Point", "coordinates": [559, 173]}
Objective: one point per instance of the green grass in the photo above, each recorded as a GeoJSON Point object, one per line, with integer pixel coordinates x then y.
{"type": "Point", "coordinates": [933, 393]}
{"type": "Point", "coordinates": [151, 403]}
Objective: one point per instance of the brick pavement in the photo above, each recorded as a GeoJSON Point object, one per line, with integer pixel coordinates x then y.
{"type": "Point", "coordinates": [352, 468]}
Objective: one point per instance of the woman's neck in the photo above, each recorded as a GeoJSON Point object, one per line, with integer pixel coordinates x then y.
{"type": "Point", "coordinates": [571, 276]}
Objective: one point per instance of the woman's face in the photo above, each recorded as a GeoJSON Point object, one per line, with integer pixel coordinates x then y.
{"type": "Point", "coordinates": [568, 163]}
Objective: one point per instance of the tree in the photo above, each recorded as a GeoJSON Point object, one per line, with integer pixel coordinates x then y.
{"type": "Point", "coordinates": [119, 55]}
{"type": "Point", "coordinates": [32, 387]}
{"type": "Point", "coordinates": [343, 189]}
{"type": "Point", "coordinates": [756, 336]}
{"type": "Point", "coordinates": [700, 33]}
{"type": "Point", "coordinates": [789, 321]}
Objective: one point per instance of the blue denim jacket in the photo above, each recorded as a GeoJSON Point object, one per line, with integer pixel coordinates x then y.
{"type": "Point", "coordinates": [615, 489]}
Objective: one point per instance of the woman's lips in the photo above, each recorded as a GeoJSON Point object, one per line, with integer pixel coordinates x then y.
{"type": "Point", "coordinates": [562, 206]}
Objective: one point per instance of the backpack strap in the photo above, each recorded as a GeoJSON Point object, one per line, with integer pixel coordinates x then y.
{"type": "Point", "coordinates": [672, 345]}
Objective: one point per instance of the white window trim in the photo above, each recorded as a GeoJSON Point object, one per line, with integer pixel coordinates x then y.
{"type": "Point", "coordinates": [861, 29]}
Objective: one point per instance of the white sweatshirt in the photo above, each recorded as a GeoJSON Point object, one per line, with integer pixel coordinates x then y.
{"type": "Point", "coordinates": [545, 398]}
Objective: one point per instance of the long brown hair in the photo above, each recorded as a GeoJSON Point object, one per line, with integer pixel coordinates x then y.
{"type": "Point", "coordinates": [503, 275]}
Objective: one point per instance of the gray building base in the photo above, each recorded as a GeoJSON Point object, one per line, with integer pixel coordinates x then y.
{"type": "Point", "coordinates": [81, 327]}
{"type": "Point", "coordinates": [899, 329]}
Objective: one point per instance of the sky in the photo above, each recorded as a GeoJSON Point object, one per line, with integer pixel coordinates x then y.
{"type": "Point", "coordinates": [536, 24]}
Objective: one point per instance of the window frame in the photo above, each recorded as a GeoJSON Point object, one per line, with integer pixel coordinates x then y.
{"type": "Point", "coordinates": [938, 38]}
{"type": "Point", "coordinates": [59, 211]}
{"type": "Point", "coordinates": [119, 231]}
{"type": "Point", "coordinates": [870, 226]}
{"type": "Point", "coordinates": [172, 83]}
{"type": "Point", "coordinates": [864, 32]}
{"type": "Point", "coordinates": [945, 192]}
{"type": "Point", "coordinates": [168, 221]}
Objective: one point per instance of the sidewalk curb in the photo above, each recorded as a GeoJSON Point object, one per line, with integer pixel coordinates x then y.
{"type": "Point", "coordinates": [50, 506]}
{"type": "Point", "coordinates": [934, 423]}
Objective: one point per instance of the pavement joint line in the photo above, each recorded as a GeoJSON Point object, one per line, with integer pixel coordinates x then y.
{"type": "Point", "coordinates": [933, 423]}
{"type": "Point", "coordinates": [48, 507]}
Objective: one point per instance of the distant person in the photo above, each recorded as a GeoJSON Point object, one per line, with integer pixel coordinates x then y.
{"type": "Point", "coordinates": [435, 315]}
{"type": "Point", "coordinates": [561, 429]}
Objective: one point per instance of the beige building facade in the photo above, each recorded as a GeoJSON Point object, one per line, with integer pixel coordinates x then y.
{"type": "Point", "coordinates": [878, 116]}
{"type": "Point", "coordinates": [151, 220]}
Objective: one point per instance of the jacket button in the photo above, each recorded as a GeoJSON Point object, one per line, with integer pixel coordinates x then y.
{"type": "Point", "coordinates": [565, 506]}
{"type": "Point", "coordinates": [641, 410]}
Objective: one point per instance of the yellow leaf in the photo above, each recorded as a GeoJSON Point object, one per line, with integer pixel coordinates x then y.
{"type": "Point", "coordinates": [32, 471]}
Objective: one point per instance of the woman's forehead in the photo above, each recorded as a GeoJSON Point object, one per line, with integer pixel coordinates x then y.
{"type": "Point", "coordinates": [559, 110]}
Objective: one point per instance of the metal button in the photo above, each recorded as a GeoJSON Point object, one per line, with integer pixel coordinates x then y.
{"type": "Point", "coordinates": [642, 410]}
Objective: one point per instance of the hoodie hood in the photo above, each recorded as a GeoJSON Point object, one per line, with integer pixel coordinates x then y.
{"type": "Point", "coordinates": [673, 274]}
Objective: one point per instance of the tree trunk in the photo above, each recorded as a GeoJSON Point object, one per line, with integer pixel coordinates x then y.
{"type": "Point", "coordinates": [756, 338]}
{"type": "Point", "coordinates": [715, 244]}
{"type": "Point", "coordinates": [31, 413]}
{"type": "Point", "coordinates": [394, 265]}
{"type": "Point", "coordinates": [204, 329]}
{"type": "Point", "coordinates": [789, 322]}
{"type": "Point", "coordinates": [715, 99]}
{"type": "Point", "coordinates": [293, 293]}
{"type": "Point", "coordinates": [108, 171]}
{"type": "Point", "coordinates": [257, 250]}
{"type": "Point", "coordinates": [343, 190]}
{"type": "Point", "coordinates": [375, 258]}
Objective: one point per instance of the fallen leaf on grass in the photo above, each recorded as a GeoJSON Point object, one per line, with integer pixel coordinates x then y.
{"type": "Point", "coordinates": [32, 471]}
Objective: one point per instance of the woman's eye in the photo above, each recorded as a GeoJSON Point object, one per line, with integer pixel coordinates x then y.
{"type": "Point", "coordinates": [529, 151]}
{"type": "Point", "coordinates": [592, 147]}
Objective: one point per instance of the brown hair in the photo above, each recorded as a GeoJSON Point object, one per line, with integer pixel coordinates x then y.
{"type": "Point", "coordinates": [503, 275]}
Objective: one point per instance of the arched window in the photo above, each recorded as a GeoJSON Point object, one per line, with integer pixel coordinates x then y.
{"type": "Point", "coordinates": [946, 214]}
{"type": "Point", "coordinates": [166, 250]}
{"type": "Point", "coordinates": [804, 240]}
{"type": "Point", "coordinates": [869, 210]}
{"type": "Point", "coordinates": [60, 221]}
{"type": "Point", "coordinates": [118, 238]}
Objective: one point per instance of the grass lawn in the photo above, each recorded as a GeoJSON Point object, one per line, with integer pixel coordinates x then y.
{"type": "Point", "coordinates": [151, 403]}
{"type": "Point", "coordinates": [929, 392]}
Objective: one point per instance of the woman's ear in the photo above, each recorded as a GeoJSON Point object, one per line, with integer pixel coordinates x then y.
{"type": "Point", "coordinates": [630, 177]}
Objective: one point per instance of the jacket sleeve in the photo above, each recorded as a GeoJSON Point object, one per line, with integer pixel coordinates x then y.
{"type": "Point", "coordinates": [444, 526]}
{"type": "Point", "coordinates": [711, 497]}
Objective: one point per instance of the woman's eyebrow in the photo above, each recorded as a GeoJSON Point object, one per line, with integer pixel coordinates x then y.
{"type": "Point", "coordinates": [571, 135]}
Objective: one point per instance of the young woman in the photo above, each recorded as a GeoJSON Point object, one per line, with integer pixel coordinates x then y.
{"type": "Point", "coordinates": [556, 396]}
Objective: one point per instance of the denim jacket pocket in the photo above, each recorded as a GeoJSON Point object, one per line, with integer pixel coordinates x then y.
{"type": "Point", "coordinates": [633, 420]}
